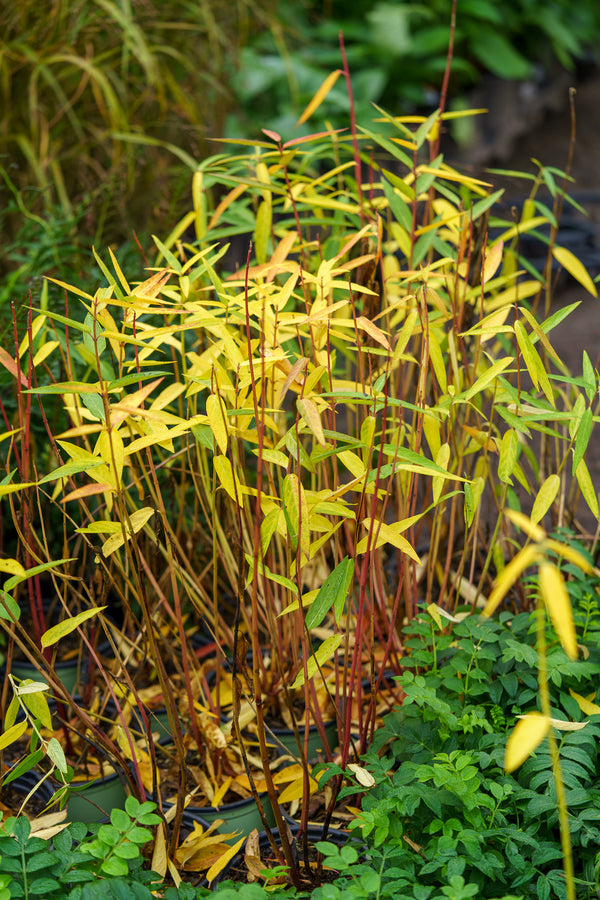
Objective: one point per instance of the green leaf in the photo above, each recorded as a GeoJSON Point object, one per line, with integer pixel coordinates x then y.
{"type": "Point", "coordinates": [30, 762]}
{"type": "Point", "coordinates": [589, 377]}
{"type": "Point", "coordinates": [332, 593]}
{"type": "Point", "coordinates": [72, 468]}
{"type": "Point", "coordinates": [59, 631]}
{"type": "Point", "coordinates": [584, 433]}
{"type": "Point", "coordinates": [9, 608]}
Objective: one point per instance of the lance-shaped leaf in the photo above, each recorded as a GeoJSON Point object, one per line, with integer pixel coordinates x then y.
{"type": "Point", "coordinates": [584, 480]}
{"type": "Point", "coordinates": [137, 520]}
{"type": "Point", "coordinates": [64, 628]}
{"type": "Point", "coordinates": [217, 421]}
{"type": "Point", "coordinates": [528, 733]}
{"type": "Point", "coordinates": [545, 498]}
{"type": "Point", "coordinates": [575, 268]}
{"type": "Point", "coordinates": [13, 734]}
{"type": "Point", "coordinates": [319, 96]}
{"type": "Point", "coordinates": [295, 510]}
{"type": "Point", "coordinates": [526, 557]}
{"type": "Point", "coordinates": [318, 659]}
{"type": "Point", "coordinates": [332, 593]}
{"type": "Point", "coordinates": [558, 604]}
{"type": "Point", "coordinates": [310, 414]}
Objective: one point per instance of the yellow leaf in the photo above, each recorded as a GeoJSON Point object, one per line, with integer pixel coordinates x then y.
{"type": "Point", "coordinates": [223, 860]}
{"type": "Point", "coordinates": [12, 567]}
{"type": "Point", "coordinates": [385, 534]}
{"type": "Point", "coordinates": [221, 792]}
{"type": "Point", "coordinates": [319, 96]}
{"type": "Point", "coordinates": [217, 421]}
{"type": "Point", "coordinates": [585, 705]}
{"type": "Point", "coordinates": [159, 853]}
{"type": "Point", "coordinates": [310, 414]}
{"type": "Point", "coordinates": [525, 558]}
{"type": "Point", "coordinates": [558, 604]}
{"type": "Point", "coordinates": [571, 554]}
{"type": "Point", "coordinates": [535, 532]}
{"type": "Point", "coordinates": [228, 479]}
{"type": "Point", "coordinates": [575, 268]}
{"type": "Point", "coordinates": [493, 258]}
{"type": "Point", "coordinates": [527, 734]}
{"type": "Point", "coordinates": [13, 734]}
{"type": "Point", "coordinates": [44, 351]}
{"type": "Point", "coordinates": [151, 288]}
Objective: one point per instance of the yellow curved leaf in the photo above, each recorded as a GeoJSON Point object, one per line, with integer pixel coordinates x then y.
{"type": "Point", "coordinates": [575, 268]}
{"type": "Point", "coordinates": [559, 608]}
{"type": "Point", "coordinates": [527, 734]}
{"type": "Point", "coordinates": [223, 860]}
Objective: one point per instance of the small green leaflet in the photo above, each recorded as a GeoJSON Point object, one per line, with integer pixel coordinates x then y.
{"type": "Point", "coordinates": [332, 593]}
{"type": "Point", "coordinates": [59, 631]}
{"type": "Point", "coordinates": [324, 652]}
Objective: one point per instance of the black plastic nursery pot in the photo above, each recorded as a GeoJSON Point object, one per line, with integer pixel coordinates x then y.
{"type": "Point", "coordinates": [237, 869]}
{"type": "Point", "coordinates": [93, 801]}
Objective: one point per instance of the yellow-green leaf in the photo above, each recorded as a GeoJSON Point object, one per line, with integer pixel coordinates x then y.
{"type": "Point", "coordinates": [37, 704]}
{"type": "Point", "coordinates": [509, 451]}
{"type": "Point", "coordinates": [488, 377]}
{"type": "Point", "coordinates": [587, 487]}
{"type": "Point", "coordinates": [575, 268]}
{"type": "Point", "coordinates": [545, 498]}
{"type": "Point", "coordinates": [59, 631]}
{"type": "Point", "coordinates": [558, 604]}
{"type": "Point", "coordinates": [324, 652]}
{"type": "Point", "coordinates": [217, 421]}
{"type": "Point", "coordinates": [528, 733]}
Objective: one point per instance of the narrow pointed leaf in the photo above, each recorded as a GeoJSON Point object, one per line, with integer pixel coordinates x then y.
{"type": "Point", "coordinates": [332, 593]}
{"type": "Point", "coordinates": [528, 733]}
{"type": "Point", "coordinates": [59, 631]}
{"type": "Point", "coordinates": [559, 608]}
